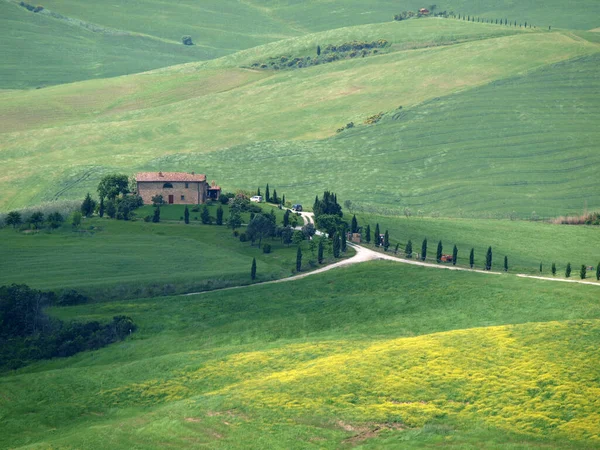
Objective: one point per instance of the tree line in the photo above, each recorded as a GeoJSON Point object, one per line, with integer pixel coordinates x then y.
{"type": "Point", "coordinates": [28, 334]}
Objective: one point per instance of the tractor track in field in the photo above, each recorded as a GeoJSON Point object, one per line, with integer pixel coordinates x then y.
{"type": "Point", "coordinates": [364, 254]}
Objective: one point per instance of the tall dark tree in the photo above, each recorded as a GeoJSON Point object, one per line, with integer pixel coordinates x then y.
{"type": "Point", "coordinates": [258, 191]}
{"type": "Point", "coordinates": [336, 245]}
{"type": "Point", "coordinates": [438, 253]}
{"type": "Point", "coordinates": [553, 269]}
{"type": "Point", "coordinates": [101, 208]}
{"type": "Point", "coordinates": [343, 244]}
{"type": "Point", "coordinates": [283, 199]}
{"type": "Point", "coordinates": [267, 194]}
{"type": "Point", "coordinates": [506, 263]}
{"type": "Point", "coordinates": [386, 240]}
{"type": "Point", "coordinates": [186, 215]}
{"type": "Point", "coordinates": [220, 215]}
{"type": "Point", "coordinates": [275, 199]}
{"type": "Point", "coordinates": [583, 272]}
{"type": "Point", "coordinates": [13, 219]}
{"type": "Point", "coordinates": [488, 259]}
{"type": "Point", "coordinates": [155, 217]}
{"type": "Point", "coordinates": [286, 218]}
{"type": "Point", "coordinates": [454, 255]}
{"type": "Point", "coordinates": [598, 271]}
{"type": "Point", "coordinates": [540, 267]}
{"type": "Point", "coordinates": [318, 50]}
{"type": "Point", "coordinates": [299, 259]}
{"type": "Point", "coordinates": [354, 225]}
{"type": "Point", "coordinates": [568, 270]}
{"type": "Point", "coordinates": [253, 269]}
{"type": "Point", "coordinates": [368, 234]}
{"type": "Point", "coordinates": [88, 205]}
{"type": "Point", "coordinates": [408, 249]}
{"type": "Point", "coordinates": [320, 252]}
{"type": "Point", "coordinates": [424, 249]}
{"type": "Point", "coordinates": [205, 215]}
{"type": "Point", "coordinates": [377, 237]}
{"type": "Point", "coordinates": [472, 258]}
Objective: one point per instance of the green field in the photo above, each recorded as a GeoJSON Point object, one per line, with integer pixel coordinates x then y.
{"type": "Point", "coordinates": [377, 355]}
{"type": "Point", "coordinates": [431, 158]}
{"type": "Point", "coordinates": [114, 259]}
{"type": "Point", "coordinates": [99, 39]}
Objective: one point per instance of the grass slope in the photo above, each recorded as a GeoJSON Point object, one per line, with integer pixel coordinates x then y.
{"type": "Point", "coordinates": [525, 243]}
{"type": "Point", "coordinates": [39, 50]}
{"type": "Point", "coordinates": [97, 136]}
{"type": "Point", "coordinates": [418, 359]}
{"type": "Point", "coordinates": [112, 259]}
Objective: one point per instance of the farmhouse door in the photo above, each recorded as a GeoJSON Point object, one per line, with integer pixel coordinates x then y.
{"type": "Point", "coordinates": [170, 199]}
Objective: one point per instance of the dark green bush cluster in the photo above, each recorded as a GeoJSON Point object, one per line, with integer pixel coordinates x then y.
{"type": "Point", "coordinates": [327, 54]}
{"type": "Point", "coordinates": [31, 8]}
{"type": "Point", "coordinates": [27, 333]}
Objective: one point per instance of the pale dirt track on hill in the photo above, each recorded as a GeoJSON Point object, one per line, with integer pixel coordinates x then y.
{"type": "Point", "coordinates": [364, 254]}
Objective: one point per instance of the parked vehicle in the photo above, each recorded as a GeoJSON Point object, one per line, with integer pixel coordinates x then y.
{"type": "Point", "coordinates": [256, 198]}
{"type": "Point", "coordinates": [297, 208]}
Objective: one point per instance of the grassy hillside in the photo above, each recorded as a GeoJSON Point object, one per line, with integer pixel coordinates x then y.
{"type": "Point", "coordinates": [109, 127]}
{"type": "Point", "coordinates": [39, 50]}
{"type": "Point", "coordinates": [113, 259]}
{"type": "Point", "coordinates": [417, 359]}
{"type": "Point", "coordinates": [525, 243]}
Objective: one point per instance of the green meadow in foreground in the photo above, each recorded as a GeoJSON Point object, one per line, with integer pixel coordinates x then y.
{"type": "Point", "coordinates": [377, 355]}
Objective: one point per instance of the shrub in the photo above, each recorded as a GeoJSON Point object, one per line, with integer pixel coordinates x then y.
{"type": "Point", "coordinates": [243, 237]}
{"type": "Point", "coordinates": [267, 248]}
{"type": "Point", "coordinates": [187, 40]}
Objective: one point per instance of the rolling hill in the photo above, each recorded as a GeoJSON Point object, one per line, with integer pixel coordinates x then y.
{"type": "Point", "coordinates": [202, 113]}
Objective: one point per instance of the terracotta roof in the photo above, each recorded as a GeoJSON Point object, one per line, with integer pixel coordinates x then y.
{"type": "Point", "coordinates": [169, 176]}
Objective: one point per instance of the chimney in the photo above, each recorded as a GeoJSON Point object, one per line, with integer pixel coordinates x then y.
{"type": "Point", "coordinates": [193, 173]}
{"type": "Point", "coordinates": [160, 174]}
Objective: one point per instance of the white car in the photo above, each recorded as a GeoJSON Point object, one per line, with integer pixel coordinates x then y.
{"type": "Point", "coordinates": [256, 199]}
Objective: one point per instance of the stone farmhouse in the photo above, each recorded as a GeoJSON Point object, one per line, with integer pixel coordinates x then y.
{"type": "Point", "coordinates": [177, 188]}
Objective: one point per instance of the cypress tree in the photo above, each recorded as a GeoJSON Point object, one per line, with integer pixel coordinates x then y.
{"type": "Point", "coordinates": [258, 191]}
{"type": "Point", "coordinates": [267, 194]}
{"type": "Point", "coordinates": [253, 269]}
{"type": "Point", "coordinates": [408, 249]}
{"type": "Point", "coordinates": [156, 217]}
{"type": "Point", "coordinates": [286, 218]}
{"type": "Point", "coordinates": [320, 252]}
{"type": "Point", "coordinates": [377, 237]}
{"type": "Point", "coordinates": [298, 259]}
{"type": "Point", "coordinates": [283, 199]}
{"type": "Point", "coordinates": [454, 255]}
{"type": "Point", "coordinates": [506, 263]}
{"type": "Point", "coordinates": [344, 243]}
{"type": "Point", "coordinates": [318, 50]}
{"type": "Point", "coordinates": [540, 267]}
{"type": "Point", "coordinates": [396, 248]}
{"type": "Point", "coordinates": [368, 234]}
{"type": "Point", "coordinates": [598, 271]}
{"type": "Point", "coordinates": [336, 245]}
{"type": "Point", "coordinates": [101, 210]}
{"type": "Point", "coordinates": [472, 258]}
{"type": "Point", "coordinates": [205, 215]}
{"type": "Point", "coordinates": [275, 199]}
{"type": "Point", "coordinates": [186, 215]}
{"type": "Point", "coordinates": [488, 259]}
{"type": "Point", "coordinates": [583, 272]}
{"type": "Point", "coordinates": [386, 241]}
{"type": "Point", "coordinates": [87, 207]}
{"type": "Point", "coordinates": [438, 253]}
{"type": "Point", "coordinates": [220, 215]}
{"type": "Point", "coordinates": [354, 226]}
{"type": "Point", "coordinates": [553, 269]}
{"type": "Point", "coordinates": [568, 270]}
{"type": "Point", "coordinates": [424, 249]}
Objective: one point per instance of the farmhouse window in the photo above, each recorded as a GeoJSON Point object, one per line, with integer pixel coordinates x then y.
{"type": "Point", "coordinates": [167, 186]}
{"type": "Point", "coordinates": [183, 197]}
{"type": "Point", "coordinates": [187, 185]}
